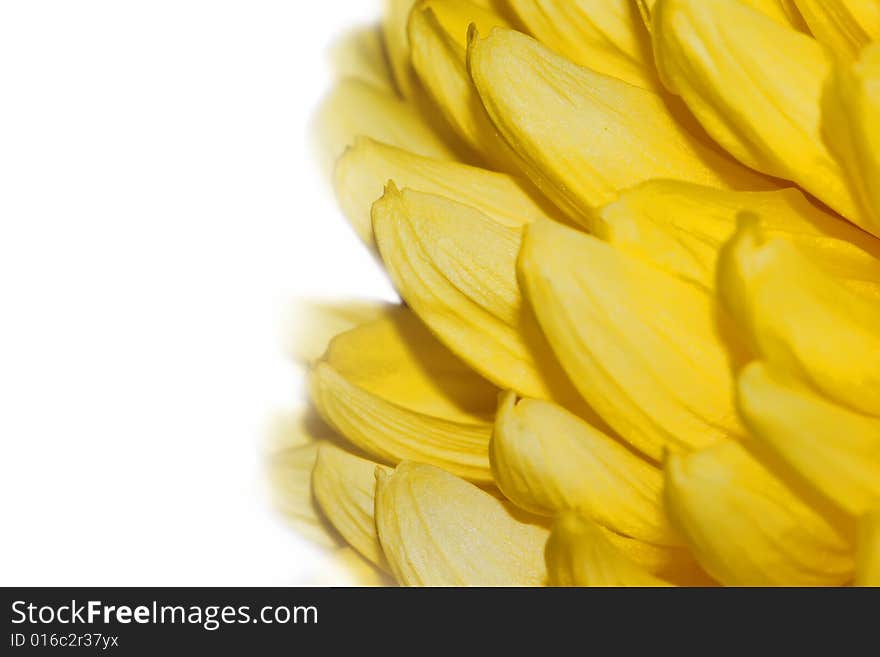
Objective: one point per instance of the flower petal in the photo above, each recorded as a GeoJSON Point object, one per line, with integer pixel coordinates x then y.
{"type": "Point", "coordinates": [745, 527]}
{"type": "Point", "coordinates": [547, 460]}
{"type": "Point", "coordinates": [356, 108]}
{"type": "Point", "coordinates": [642, 347]}
{"type": "Point", "coordinates": [438, 39]}
{"type": "Point", "coordinates": [314, 323]}
{"type": "Point", "coordinates": [360, 54]}
{"type": "Point", "coordinates": [439, 530]}
{"type": "Point", "coordinates": [344, 486]}
{"type": "Point", "coordinates": [681, 227]}
{"type": "Point", "coordinates": [394, 22]}
{"type": "Point", "coordinates": [851, 121]}
{"type": "Point", "coordinates": [784, 12]}
{"type": "Point", "coordinates": [394, 391]}
{"type": "Point", "coordinates": [868, 559]}
{"type": "Point", "coordinates": [579, 554]}
{"type": "Point", "coordinates": [846, 26]}
{"type": "Point", "coordinates": [755, 86]}
{"type": "Point", "coordinates": [833, 450]}
{"type": "Point", "coordinates": [801, 320]}
{"type": "Point", "coordinates": [456, 268]}
{"type": "Point", "coordinates": [607, 36]}
{"type": "Point", "coordinates": [361, 175]}
{"type": "Point", "coordinates": [584, 137]}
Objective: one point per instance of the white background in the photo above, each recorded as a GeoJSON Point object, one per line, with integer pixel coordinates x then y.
{"type": "Point", "coordinates": [159, 210]}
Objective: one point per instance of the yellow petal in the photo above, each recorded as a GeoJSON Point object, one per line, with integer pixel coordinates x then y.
{"type": "Point", "coordinates": [312, 324]}
{"type": "Point", "coordinates": [672, 564]}
{"type": "Point", "coordinates": [547, 460]}
{"type": "Point", "coordinates": [361, 175]}
{"type": "Point", "coordinates": [394, 22]}
{"type": "Point", "coordinates": [746, 528]}
{"type": "Point", "coordinates": [641, 346]}
{"type": "Point", "coordinates": [438, 38]}
{"type": "Point", "coordinates": [606, 36]}
{"type": "Point", "coordinates": [851, 121]}
{"type": "Point", "coordinates": [356, 108]}
{"type": "Point", "coordinates": [394, 391]}
{"type": "Point", "coordinates": [456, 268]}
{"type": "Point", "coordinates": [801, 320]}
{"type": "Point", "coordinates": [439, 530]}
{"type": "Point", "coordinates": [352, 569]}
{"type": "Point", "coordinates": [680, 227]}
{"type": "Point", "coordinates": [868, 559]}
{"type": "Point", "coordinates": [583, 137]}
{"type": "Point", "coordinates": [579, 554]}
{"type": "Point", "coordinates": [784, 12]}
{"type": "Point", "coordinates": [755, 86]}
{"type": "Point", "coordinates": [361, 54]}
{"type": "Point", "coordinates": [844, 25]}
{"type": "Point", "coordinates": [831, 449]}
{"type": "Point", "coordinates": [290, 477]}
{"type": "Point", "coordinates": [344, 486]}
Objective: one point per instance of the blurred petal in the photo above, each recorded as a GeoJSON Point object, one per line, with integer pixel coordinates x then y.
{"type": "Point", "coordinates": [361, 175]}
{"type": "Point", "coordinates": [868, 559]}
{"type": "Point", "coordinates": [547, 460]}
{"type": "Point", "coordinates": [439, 530]}
{"type": "Point", "coordinates": [802, 320]}
{"type": "Point", "coordinates": [394, 391]}
{"type": "Point", "coordinates": [851, 121]}
{"type": "Point", "coordinates": [356, 108]}
{"type": "Point", "coordinates": [583, 137]}
{"type": "Point", "coordinates": [833, 450]}
{"type": "Point", "coordinates": [755, 86]}
{"type": "Point", "coordinates": [394, 23]}
{"type": "Point", "coordinates": [312, 324]}
{"type": "Point", "coordinates": [579, 554]}
{"type": "Point", "coordinates": [641, 346]}
{"type": "Point", "coordinates": [456, 268]}
{"type": "Point", "coordinates": [344, 487]}
{"type": "Point", "coordinates": [680, 227]}
{"type": "Point", "coordinates": [846, 26]}
{"type": "Point", "coordinates": [361, 54]}
{"type": "Point", "coordinates": [746, 528]}
{"type": "Point", "coordinates": [606, 36]}
{"type": "Point", "coordinates": [438, 37]}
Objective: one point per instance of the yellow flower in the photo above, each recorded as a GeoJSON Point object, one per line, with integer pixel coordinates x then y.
{"type": "Point", "coordinates": [639, 337]}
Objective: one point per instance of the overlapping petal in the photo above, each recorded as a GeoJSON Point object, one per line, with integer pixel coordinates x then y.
{"type": "Point", "coordinates": [802, 320]}
{"type": "Point", "coordinates": [439, 530]}
{"type": "Point", "coordinates": [547, 460]}
{"type": "Point", "coordinates": [584, 137]}
{"type": "Point", "coordinates": [755, 86]}
{"type": "Point", "coordinates": [868, 561]}
{"type": "Point", "coordinates": [746, 527]}
{"type": "Point", "coordinates": [643, 347]}
{"type": "Point", "coordinates": [394, 391]}
{"type": "Point", "coordinates": [846, 26]}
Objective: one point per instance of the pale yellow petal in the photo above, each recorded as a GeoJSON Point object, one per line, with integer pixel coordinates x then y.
{"type": "Point", "coordinates": [356, 108]}
{"type": "Point", "coordinates": [851, 121]}
{"type": "Point", "coordinates": [606, 35]}
{"type": "Point", "coordinates": [681, 227]}
{"type": "Point", "coordinates": [579, 554]}
{"type": "Point", "coordinates": [547, 460]}
{"type": "Point", "coordinates": [360, 54]}
{"type": "Point", "coordinates": [801, 320]}
{"type": "Point", "coordinates": [868, 559]}
{"type": "Point", "coordinates": [290, 480]}
{"type": "Point", "coordinates": [344, 486]}
{"type": "Point", "coordinates": [784, 12]}
{"type": "Point", "coordinates": [642, 346]}
{"type": "Point", "coordinates": [584, 137]}
{"type": "Point", "coordinates": [352, 569]}
{"type": "Point", "coordinates": [312, 324]}
{"type": "Point", "coordinates": [439, 530]}
{"type": "Point", "coordinates": [394, 391]}
{"type": "Point", "coordinates": [755, 86]}
{"type": "Point", "coordinates": [394, 20]}
{"type": "Point", "coordinates": [456, 268]}
{"type": "Point", "coordinates": [361, 175]}
{"type": "Point", "coordinates": [846, 26]}
{"type": "Point", "coordinates": [438, 37]}
{"type": "Point", "coordinates": [831, 449]}
{"type": "Point", "coordinates": [746, 527]}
